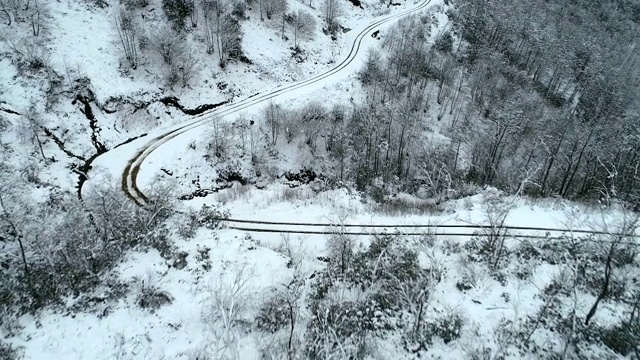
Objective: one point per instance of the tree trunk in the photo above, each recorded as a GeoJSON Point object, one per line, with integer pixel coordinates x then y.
{"type": "Point", "coordinates": [292, 322]}
{"type": "Point", "coordinates": [35, 134]}
{"type": "Point", "coordinates": [551, 161]}
{"type": "Point", "coordinates": [575, 169]}
{"type": "Point", "coordinates": [605, 286]}
{"type": "Point", "coordinates": [17, 236]}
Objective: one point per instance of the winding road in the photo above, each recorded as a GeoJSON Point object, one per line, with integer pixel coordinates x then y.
{"type": "Point", "coordinates": [348, 65]}
{"type": "Point", "coordinates": [130, 174]}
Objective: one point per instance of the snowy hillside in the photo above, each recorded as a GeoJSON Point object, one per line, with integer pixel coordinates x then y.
{"type": "Point", "coordinates": [316, 179]}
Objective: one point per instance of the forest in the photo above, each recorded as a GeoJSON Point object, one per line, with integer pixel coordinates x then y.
{"type": "Point", "coordinates": [536, 98]}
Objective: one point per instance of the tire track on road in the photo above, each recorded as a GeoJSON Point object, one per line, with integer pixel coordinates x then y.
{"type": "Point", "coordinates": [132, 170]}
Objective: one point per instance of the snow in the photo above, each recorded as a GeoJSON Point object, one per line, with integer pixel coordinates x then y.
{"type": "Point", "coordinates": [181, 328]}
{"type": "Point", "coordinates": [114, 161]}
{"type": "Point", "coordinates": [178, 328]}
{"type": "Point", "coordinates": [171, 330]}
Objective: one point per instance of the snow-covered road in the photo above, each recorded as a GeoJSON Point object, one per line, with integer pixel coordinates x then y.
{"type": "Point", "coordinates": [128, 161]}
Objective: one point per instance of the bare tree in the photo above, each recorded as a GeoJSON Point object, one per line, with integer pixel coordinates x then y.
{"type": "Point", "coordinates": [10, 221]}
{"type": "Point", "coordinates": [273, 119]}
{"type": "Point", "coordinates": [613, 245]}
{"type": "Point", "coordinates": [220, 138]}
{"type": "Point", "coordinates": [38, 17]}
{"type": "Point", "coordinates": [188, 67]}
{"type": "Point", "coordinates": [34, 122]}
{"type": "Point", "coordinates": [283, 11]}
{"type": "Point", "coordinates": [289, 294]}
{"type": "Point", "coordinates": [128, 31]}
{"type": "Point", "coordinates": [222, 31]}
{"type": "Point", "coordinates": [435, 173]}
{"type": "Point", "coordinates": [495, 232]}
{"type": "Point", "coordinates": [168, 44]}
{"type": "Point", "coordinates": [274, 7]}
{"type": "Point", "coordinates": [341, 245]}
{"type": "Point", "coordinates": [229, 39]}
{"type": "Point", "coordinates": [227, 303]}
{"type": "Point", "coordinates": [331, 9]}
{"type": "Point", "coordinates": [212, 11]}
{"type": "Point", "coordinates": [304, 24]}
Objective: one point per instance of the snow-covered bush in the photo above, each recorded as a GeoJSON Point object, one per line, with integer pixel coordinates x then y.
{"type": "Point", "coordinates": [160, 240]}
{"type": "Point", "coordinates": [624, 338]}
{"type": "Point", "coordinates": [211, 216]}
{"type": "Point", "coordinates": [178, 11]}
{"type": "Point", "coordinates": [448, 327]}
{"type": "Point", "coordinates": [149, 296]}
{"type": "Point", "coordinates": [8, 352]}
{"type": "Point", "coordinates": [30, 55]}
{"type": "Point", "coordinates": [188, 224]}
{"type": "Point", "coordinates": [69, 245]}
{"type": "Point", "coordinates": [273, 314]}
{"type": "Point", "coordinates": [342, 328]}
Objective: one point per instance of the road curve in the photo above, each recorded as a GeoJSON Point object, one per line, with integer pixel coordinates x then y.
{"type": "Point", "coordinates": [131, 171]}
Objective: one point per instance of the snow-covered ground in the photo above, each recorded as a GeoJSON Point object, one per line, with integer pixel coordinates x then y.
{"type": "Point", "coordinates": [80, 43]}
{"type": "Point", "coordinates": [226, 269]}
{"type": "Point", "coordinates": [217, 260]}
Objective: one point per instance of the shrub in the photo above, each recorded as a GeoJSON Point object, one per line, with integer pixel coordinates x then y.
{"type": "Point", "coordinates": [342, 327]}
{"type": "Point", "coordinates": [444, 42]}
{"type": "Point", "coordinates": [149, 295]}
{"type": "Point", "coordinates": [273, 315]}
{"type": "Point", "coordinates": [203, 255]}
{"type": "Point", "coordinates": [8, 352]}
{"type": "Point", "coordinates": [30, 56]}
{"type": "Point", "coordinates": [188, 225]}
{"type": "Point", "coordinates": [623, 339]}
{"type": "Point", "coordinates": [211, 217]}
{"type": "Point", "coordinates": [177, 11]}
{"type": "Point", "coordinates": [159, 239]}
{"type": "Point", "coordinates": [135, 4]}
{"type": "Point", "coordinates": [324, 281]}
{"type": "Point", "coordinates": [448, 328]}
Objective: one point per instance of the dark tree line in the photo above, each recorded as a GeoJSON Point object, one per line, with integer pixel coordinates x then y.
{"type": "Point", "coordinates": [554, 84]}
